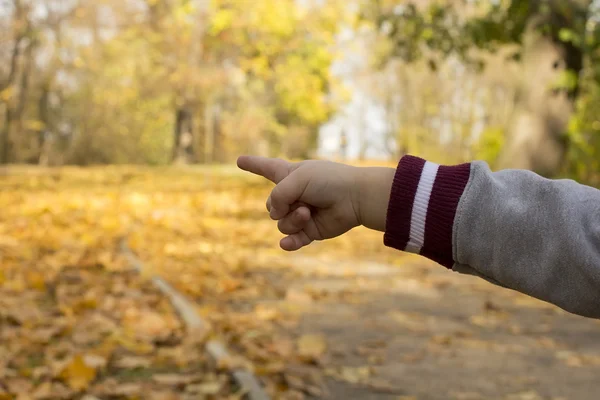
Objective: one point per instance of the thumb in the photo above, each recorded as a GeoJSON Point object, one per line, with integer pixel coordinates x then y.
{"type": "Point", "coordinates": [287, 193]}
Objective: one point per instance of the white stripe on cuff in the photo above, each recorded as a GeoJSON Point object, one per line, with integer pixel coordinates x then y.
{"type": "Point", "coordinates": [420, 206]}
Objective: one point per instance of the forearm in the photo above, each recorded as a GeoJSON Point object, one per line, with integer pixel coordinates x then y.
{"type": "Point", "coordinates": [534, 235]}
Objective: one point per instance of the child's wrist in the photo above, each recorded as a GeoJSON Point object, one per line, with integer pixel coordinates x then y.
{"type": "Point", "coordinates": [374, 188]}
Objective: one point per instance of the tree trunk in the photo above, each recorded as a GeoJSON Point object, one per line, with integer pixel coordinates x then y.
{"type": "Point", "coordinates": [219, 145]}
{"type": "Point", "coordinates": [24, 85]}
{"type": "Point", "coordinates": [22, 28]}
{"type": "Point", "coordinates": [9, 85]}
{"type": "Point", "coordinates": [44, 135]}
{"type": "Point", "coordinates": [343, 146]}
{"type": "Point", "coordinates": [536, 139]}
{"type": "Point", "coordinates": [183, 149]}
{"type": "Point", "coordinates": [214, 142]}
{"type": "Point", "coordinates": [6, 143]}
{"type": "Point", "coordinates": [209, 133]}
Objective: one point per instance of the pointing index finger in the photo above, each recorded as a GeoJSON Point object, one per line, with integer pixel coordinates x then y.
{"type": "Point", "coordinates": [273, 169]}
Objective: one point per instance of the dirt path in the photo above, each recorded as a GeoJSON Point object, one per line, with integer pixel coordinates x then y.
{"type": "Point", "coordinates": [421, 332]}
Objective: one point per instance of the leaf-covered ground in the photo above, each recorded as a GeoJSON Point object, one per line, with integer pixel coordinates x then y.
{"type": "Point", "coordinates": [344, 319]}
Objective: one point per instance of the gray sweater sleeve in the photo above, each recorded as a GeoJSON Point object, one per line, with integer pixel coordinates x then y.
{"type": "Point", "coordinates": [514, 228]}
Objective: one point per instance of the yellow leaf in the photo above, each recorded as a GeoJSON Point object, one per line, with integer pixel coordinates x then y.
{"type": "Point", "coordinates": [9, 241]}
{"type": "Point", "coordinates": [78, 374]}
{"type": "Point", "coordinates": [133, 345]}
{"type": "Point", "coordinates": [95, 361]}
{"type": "Point", "coordinates": [355, 375]}
{"type": "Point", "coordinates": [265, 313]}
{"type": "Point", "coordinates": [174, 379]}
{"type": "Point", "coordinates": [132, 362]}
{"type": "Point", "coordinates": [145, 323]}
{"type": "Point", "coordinates": [221, 20]}
{"type": "Point", "coordinates": [311, 347]}
{"type": "Point", "coordinates": [207, 388]}
{"type": "Point", "coordinates": [35, 280]}
{"type": "Point", "coordinates": [43, 391]}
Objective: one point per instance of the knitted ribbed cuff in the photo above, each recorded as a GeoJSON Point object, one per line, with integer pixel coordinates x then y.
{"type": "Point", "coordinates": [422, 208]}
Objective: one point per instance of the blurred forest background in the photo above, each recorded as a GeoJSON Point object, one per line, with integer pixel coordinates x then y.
{"type": "Point", "coordinates": [195, 81]}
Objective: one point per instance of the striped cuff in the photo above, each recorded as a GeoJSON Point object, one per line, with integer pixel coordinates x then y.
{"type": "Point", "coordinates": [422, 208]}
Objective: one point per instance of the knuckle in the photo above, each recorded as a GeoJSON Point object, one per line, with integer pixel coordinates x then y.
{"type": "Point", "coordinates": [276, 195]}
{"type": "Point", "coordinates": [284, 227]}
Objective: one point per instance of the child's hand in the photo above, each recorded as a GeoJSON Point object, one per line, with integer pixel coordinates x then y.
{"type": "Point", "coordinates": [317, 200]}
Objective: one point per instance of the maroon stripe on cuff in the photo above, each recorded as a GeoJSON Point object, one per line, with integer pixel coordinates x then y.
{"type": "Point", "coordinates": [399, 214]}
{"type": "Point", "coordinates": [447, 190]}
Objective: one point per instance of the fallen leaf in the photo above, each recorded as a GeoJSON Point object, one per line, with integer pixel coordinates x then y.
{"type": "Point", "coordinates": [442, 340]}
{"type": "Point", "coordinates": [489, 320]}
{"type": "Point", "coordinates": [36, 280]}
{"type": "Point", "coordinates": [311, 347]}
{"type": "Point", "coordinates": [206, 388]}
{"type": "Point", "coordinates": [293, 395]}
{"type": "Point", "coordinates": [414, 357]}
{"type": "Point", "coordinates": [90, 397]}
{"type": "Point", "coordinates": [132, 362]}
{"type": "Point", "coordinates": [271, 368]}
{"type": "Point", "coordinates": [174, 379]}
{"type": "Point", "coordinates": [298, 296]}
{"type": "Point", "coordinates": [148, 323]}
{"type": "Point", "coordinates": [467, 396]}
{"type": "Point", "coordinates": [18, 386]}
{"type": "Point", "coordinates": [43, 391]}
{"type": "Point", "coordinates": [282, 347]}
{"type": "Point", "coordinates": [133, 345]}
{"type": "Point", "coordinates": [547, 343]}
{"type": "Point", "coordinates": [381, 386]}
{"type": "Point", "coordinates": [126, 389]}
{"type": "Point", "coordinates": [95, 361]}
{"type": "Point", "coordinates": [8, 241]}
{"type": "Point", "coordinates": [529, 395]}
{"type": "Point", "coordinates": [44, 335]}
{"type": "Point", "coordinates": [355, 374]}
{"type": "Point", "coordinates": [413, 322]}
{"type": "Point", "coordinates": [78, 374]}
{"type": "Point", "coordinates": [573, 359]}
{"type": "Point", "coordinates": [306, 380]}
{"type": "Point", "coordinates": [265, 313]}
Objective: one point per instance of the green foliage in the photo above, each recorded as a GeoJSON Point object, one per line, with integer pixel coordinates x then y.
{"type": "Point", "coordinates": [490, 144]}
{"type": "Point", "coordinates": [443, 28]}
{"type": "Point", "coordinates": [413, 31]}
{"type": "Point", "coordinates": [287, 50]}
{"type": "Point", "coordinates": [584, 137]}
{"type": "Point", "coordinates": [122, 109]}
{"type": "Point", "coordinates": [568, 80]}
